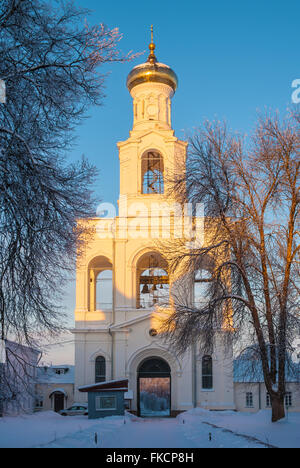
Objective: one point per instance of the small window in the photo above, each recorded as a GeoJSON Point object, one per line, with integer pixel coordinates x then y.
{"type": "Point", "coordinates": [100, 369]}
{"type": "Point", "coordinates": [152, 173]}
{"type": "Point", "coordinates": [268, 400]}
{"type": "Point", "coordinates": [288, 399]}
{"type": "Point", "coordinates": [106, 403]}
{"type": "Point", "coordinates": [39, 403]}
{"type": "Point", "coordinates": [207, 373]}
{"type": "Point", "coordinates": [249, 400]}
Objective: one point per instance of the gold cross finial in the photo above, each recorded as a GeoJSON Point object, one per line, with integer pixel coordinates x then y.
{"type": "Point", "coordinates": [152, 58]}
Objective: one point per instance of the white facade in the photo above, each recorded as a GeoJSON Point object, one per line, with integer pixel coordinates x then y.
{"type": "Point", "coordinates": [17, 379]}
{"type": "Point", "coordinates": [252, 397]}
{"type": "Point", "coordinates": [117, 331]}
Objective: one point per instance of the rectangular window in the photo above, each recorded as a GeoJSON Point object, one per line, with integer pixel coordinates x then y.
{"type": "Point", "coordinates": [39, 403]}
{"type": "Point", "coordinates": [207, 373]}
{"type": "Point", "coordinates": [104, 403]}
{"type": "Point", "coordinates": [249, 400]}
{"type": "Point", "coordinates": [288, 399]}
{"type": "Point", "coordinates": [207, 382]}
{"type": "Point", "coordinates": [268, 400]}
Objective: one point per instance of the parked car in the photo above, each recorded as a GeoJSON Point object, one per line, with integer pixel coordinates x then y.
{"type": "Point", "coordinates": [75, 410]}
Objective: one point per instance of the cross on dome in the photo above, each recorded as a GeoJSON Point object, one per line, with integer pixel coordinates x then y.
{"type": "Point", "coordinates": [152, 58]}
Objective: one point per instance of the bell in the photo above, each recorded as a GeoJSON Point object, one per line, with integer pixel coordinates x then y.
{"type": "Point", "coordinates": [161, 287]}
{"type": "Point", "coordinates": [154, 288]}
{"type": "Point", "coordinates": [145, 289]}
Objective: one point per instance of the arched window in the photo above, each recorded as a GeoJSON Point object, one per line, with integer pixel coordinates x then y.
{"type": "Point", "coordinates": [104, 290]}
{"type": "Point", "coordinates": [207, 372]}
{"type": "Point", "coordinates": [100, 369]}
{"type": "Point", "coordinates": [152, 173]}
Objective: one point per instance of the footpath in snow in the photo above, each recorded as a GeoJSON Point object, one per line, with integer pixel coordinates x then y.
{"type": "Point", "coordinates": [155, 433]}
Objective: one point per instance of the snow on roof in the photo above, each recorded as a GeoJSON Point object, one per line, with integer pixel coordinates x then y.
{"type": "Point", "coordinates": [14, 346]}
{"type": "Point", "coordinates": [250, 370]}
{"type": "Point", "coordinates": [118, 385]}
{"type": "Point", "coordinates": [48, 374]}
{"type": "Point", "coordinates": [61, 366]}
{"type": "Point", "coordinates": [58, 390]}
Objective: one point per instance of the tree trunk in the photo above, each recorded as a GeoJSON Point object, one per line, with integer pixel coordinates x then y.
{"type": "Point", "coordinates": [277, 408]}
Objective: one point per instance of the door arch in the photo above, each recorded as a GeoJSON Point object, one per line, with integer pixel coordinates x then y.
{"type": "Point", "coordinates": [58, 400]}
{"type": "Point", "coordinates": [154, 388]}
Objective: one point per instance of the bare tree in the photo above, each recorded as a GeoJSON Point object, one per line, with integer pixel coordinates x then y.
{"type": "Point", "coordinates": [18, 378]}
{"type": "Point", "coordinates": [251, 196]}
{"type": "Point", "coordinates": [49, 60]}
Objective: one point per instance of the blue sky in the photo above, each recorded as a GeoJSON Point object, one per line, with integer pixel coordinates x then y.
{"type": "Point", "coordinates": [232, 58]}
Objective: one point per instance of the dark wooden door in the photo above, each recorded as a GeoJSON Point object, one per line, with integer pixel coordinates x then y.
{"type": "Point", "coordinates": [58, 402]}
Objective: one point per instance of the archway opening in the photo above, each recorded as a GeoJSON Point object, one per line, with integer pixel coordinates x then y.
{"type": "Point", "coordinates": [104, 290]}
{"type": "Point", "coordinates": [153, 281]}
{"type": "Point", "coordinates": [100, 284]}
{"type": "Point", "coordinates": [154, 388]}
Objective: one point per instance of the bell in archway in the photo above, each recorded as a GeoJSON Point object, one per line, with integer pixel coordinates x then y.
{"type": "Point", "coordinates": [145, 289]}
{"type": "Point", "coordinates": [154, 288]}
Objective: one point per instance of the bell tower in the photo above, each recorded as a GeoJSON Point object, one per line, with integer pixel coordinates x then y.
{"type": "Point", "coordinates": [124, 283]}
{"type": "Point", "coordinates": [149, 157]}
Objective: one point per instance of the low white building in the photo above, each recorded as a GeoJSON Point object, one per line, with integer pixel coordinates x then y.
{"type": "Point", "coordinates": [54, 387]}
{"type": "Point", "coordinates": [17, 378]}
{"type": "Point", "coordinates": [250, 393]}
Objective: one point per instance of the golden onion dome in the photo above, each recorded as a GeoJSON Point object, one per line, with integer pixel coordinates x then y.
{"type": "Point", "coordinates": [152, 71]}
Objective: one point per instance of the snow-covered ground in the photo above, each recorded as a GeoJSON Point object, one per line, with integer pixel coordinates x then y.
{"type": "Point", "coordinates": [283, 434]}
{"type": "Point", "coordinates": [189, 430]}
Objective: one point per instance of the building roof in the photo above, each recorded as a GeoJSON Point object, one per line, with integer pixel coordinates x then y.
{"type": "Point", "coordinates": [110, 385]}
{"type": "Point", "coordinates": [250, 370]}
{"type": "Point", "coordinates": [49, 375]}
{"type": "Point", "coordinates": [152, 71]}
{"type": "Point", "coordinates": [13, 346]}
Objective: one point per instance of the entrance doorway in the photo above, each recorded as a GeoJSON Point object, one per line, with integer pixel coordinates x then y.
{"type": "Point", "coordinates": [58, 401]}
{"type": "Point", "coordinates": [154, 388]}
